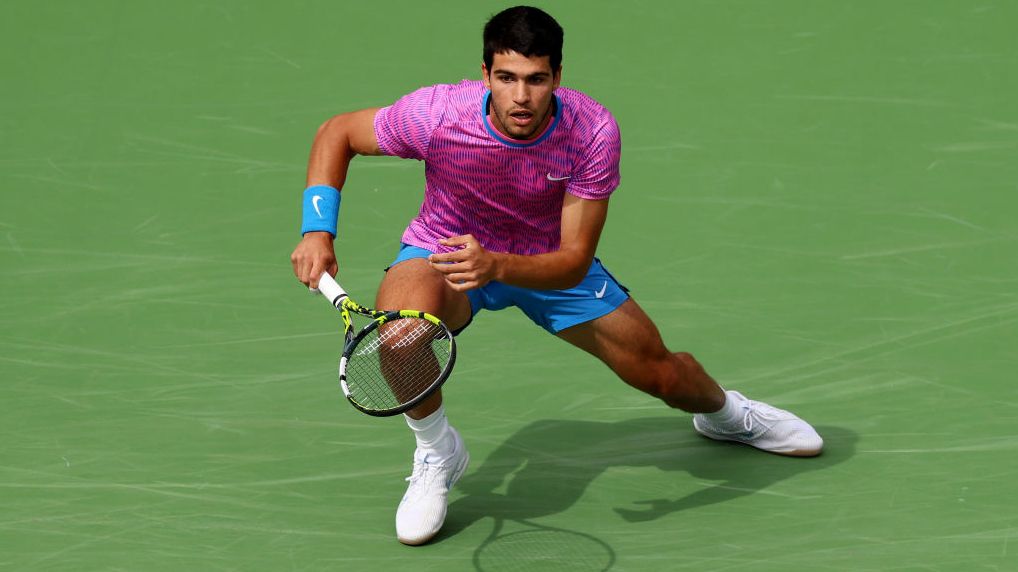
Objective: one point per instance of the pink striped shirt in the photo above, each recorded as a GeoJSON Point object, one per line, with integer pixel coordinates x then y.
{"type": "Point", "coordinates": [507, 193]}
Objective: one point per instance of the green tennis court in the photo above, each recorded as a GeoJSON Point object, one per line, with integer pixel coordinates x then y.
{"type": "Point", "coordinates": [818, 200]}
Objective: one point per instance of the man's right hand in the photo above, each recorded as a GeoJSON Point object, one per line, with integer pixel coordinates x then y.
{"type": "Point", "coordinates": [313, 256]}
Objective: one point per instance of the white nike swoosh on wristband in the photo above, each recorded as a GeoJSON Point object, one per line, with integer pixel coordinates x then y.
{"type": "Point", "coordinates": [314, 202]}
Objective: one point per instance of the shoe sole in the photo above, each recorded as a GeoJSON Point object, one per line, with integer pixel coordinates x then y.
{"type": "Point", "coordinates": [460, 469]}
{"type": "Point", "coordinates": [793, 453]}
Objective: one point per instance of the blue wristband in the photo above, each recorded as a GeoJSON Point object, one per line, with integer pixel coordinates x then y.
{"type": "Point", "coordinates": [321, 209]}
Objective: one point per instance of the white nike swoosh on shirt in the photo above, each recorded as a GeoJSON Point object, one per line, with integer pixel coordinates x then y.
{"type": "Point", "coordinates": [314, 202]}
{"type": "Point", "coordinates": [550, 178]}
{"type": "Point", "coordinates": [600, 293]}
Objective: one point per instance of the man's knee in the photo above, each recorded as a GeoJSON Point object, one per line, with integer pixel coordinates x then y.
{"type": "Point", "coordinates": [672, 375]}
{"type": "Point", "coordinates": [688, 364]}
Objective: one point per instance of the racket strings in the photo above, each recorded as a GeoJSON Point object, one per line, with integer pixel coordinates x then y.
{"type": "Point", "coordinates": [397, 340]}
{"type": "Point", "coordinates": [397, 362]}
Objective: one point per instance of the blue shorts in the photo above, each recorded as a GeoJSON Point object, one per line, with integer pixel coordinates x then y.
{"type": "Point", "coordinates": [554, 310]}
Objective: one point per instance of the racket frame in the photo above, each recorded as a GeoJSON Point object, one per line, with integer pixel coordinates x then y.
{"type": "Point", "coordinates": [338, 297]}
{"type": "Point", "coordinates": [376, 322]}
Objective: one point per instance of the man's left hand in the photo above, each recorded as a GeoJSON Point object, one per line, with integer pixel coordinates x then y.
{"type": "Point", "coordinates": [469, 267]}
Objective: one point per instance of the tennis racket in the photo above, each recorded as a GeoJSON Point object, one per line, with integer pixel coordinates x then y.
{"type": "Point", "coordinates": [394, 362]}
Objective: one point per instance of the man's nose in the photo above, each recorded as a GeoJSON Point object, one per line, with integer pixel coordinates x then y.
{"type": "Point", "coordinates": [521, 93]}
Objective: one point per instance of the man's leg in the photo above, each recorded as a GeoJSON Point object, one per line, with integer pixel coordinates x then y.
{"type": "Point", "coordinates": [630, 344]}
{"type": "Point", "coordinates": [413, 285]}
{"type": "Point", "coordinates": [440, 457]}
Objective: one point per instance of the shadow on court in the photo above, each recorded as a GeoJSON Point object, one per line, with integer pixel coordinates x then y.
{"type": "Point", "coordinates": [545, 468]}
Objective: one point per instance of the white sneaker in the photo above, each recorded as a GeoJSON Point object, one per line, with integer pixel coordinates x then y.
{"type": "Point", "coordinates": [764, 427]}
{"type": "Point", "coordinates": [422, 511]}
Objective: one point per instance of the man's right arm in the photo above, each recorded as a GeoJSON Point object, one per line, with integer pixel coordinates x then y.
{"type": "Point", "coordinates": [337, 142]}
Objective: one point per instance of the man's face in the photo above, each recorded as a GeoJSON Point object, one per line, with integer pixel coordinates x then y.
{"type": "Point", "coordinates": [521, 93]}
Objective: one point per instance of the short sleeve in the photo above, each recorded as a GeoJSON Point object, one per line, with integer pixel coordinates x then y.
{"type": "Point", "coordinates": [404, 128]}
{"type": "Point", "coordinates": [597, 173]}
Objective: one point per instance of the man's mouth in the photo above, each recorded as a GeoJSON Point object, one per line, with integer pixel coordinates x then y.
{"type": "Point", "coordinates": [522, 117]}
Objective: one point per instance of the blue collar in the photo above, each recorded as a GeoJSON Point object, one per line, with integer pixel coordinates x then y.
{"type": "Point", "coordinates": [513, 142]}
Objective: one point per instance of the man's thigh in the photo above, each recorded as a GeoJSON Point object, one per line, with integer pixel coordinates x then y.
{"type": "Point", "coordinates": [413, 285]}
{"type": "Point", "coordinates": [625, 339]}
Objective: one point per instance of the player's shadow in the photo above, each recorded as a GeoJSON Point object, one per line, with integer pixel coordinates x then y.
{"type": "Point", "coordinates": [545, 468]}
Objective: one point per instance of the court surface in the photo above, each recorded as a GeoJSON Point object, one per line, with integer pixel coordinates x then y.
{"type": "Point", "coordinates": [818, 200]}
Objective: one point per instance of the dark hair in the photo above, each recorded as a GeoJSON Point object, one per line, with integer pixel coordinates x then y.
{"type": "Point", "coordinates": [525, 30]}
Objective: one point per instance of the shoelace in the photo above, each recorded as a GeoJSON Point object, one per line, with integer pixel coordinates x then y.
{"type": "Point", "coordinates": [421, 477]}
{"type": "Point", "coordinates": [756, 411]}
{"type": "Point", "coordinates": [418, 474]}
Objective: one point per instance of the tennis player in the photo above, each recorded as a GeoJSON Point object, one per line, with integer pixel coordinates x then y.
{"type": "Point", "coordinates": [518, 175]}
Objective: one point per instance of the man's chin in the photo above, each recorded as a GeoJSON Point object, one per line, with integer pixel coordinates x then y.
{"type": "Point", "coordinates": [522, 134]}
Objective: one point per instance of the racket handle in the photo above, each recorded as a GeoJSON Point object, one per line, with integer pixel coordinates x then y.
{"type": "Point", "coordinates": [332, 291]}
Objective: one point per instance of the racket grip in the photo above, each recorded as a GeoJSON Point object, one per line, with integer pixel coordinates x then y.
{"type": "Point", "coordinates": [332, 291]}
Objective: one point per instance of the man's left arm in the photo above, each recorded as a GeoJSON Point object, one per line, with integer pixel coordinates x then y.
{"type": "Point", "coordinates": [471, 266]}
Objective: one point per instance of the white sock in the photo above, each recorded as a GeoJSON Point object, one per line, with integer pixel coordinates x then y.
{"type": "Point", "coordinates": [729, 413]}
{"type": "Point", "coordinates": [434, 439]}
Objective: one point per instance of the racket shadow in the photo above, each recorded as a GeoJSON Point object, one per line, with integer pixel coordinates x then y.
{"type": "Point", "coordinates": [546, 467]}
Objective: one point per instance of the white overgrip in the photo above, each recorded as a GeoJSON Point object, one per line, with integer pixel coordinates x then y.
{"type": "Point", "coordinates": [329, 288]}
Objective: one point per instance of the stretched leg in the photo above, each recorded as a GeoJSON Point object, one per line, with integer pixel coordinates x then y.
{"type": "Point", "coordinates": [629, 343]}
{"type": "Point", "coordinates": [441, 457]}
